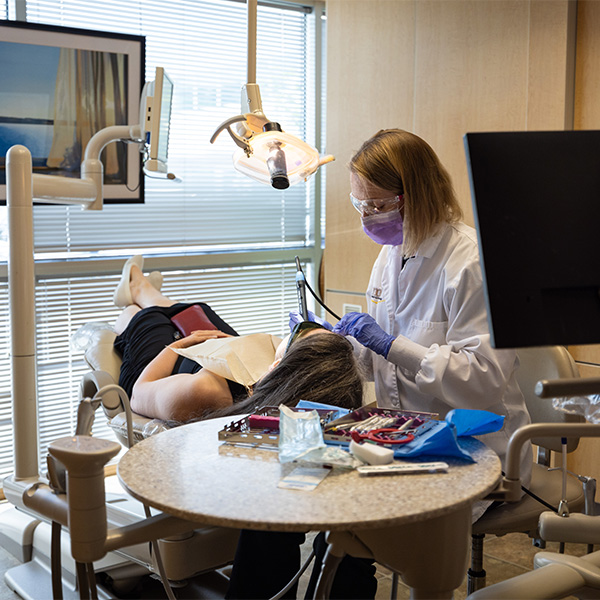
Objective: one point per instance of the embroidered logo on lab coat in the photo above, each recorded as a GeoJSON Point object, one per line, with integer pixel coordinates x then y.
{"type": "Point", "coordinates": [376, 295]}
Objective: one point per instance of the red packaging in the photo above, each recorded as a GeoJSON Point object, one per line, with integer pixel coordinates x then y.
{"type": "Point", "coordinates": [191, 319]}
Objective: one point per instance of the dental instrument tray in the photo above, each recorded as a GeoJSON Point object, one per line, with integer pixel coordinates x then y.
{"type": "Point", "coordinates": [383, 426]}
{"type": "Point", "coordinates": [261, 428]}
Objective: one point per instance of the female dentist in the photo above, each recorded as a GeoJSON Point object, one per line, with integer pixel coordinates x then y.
{"type": "Point", "coordinates": [425, 339]}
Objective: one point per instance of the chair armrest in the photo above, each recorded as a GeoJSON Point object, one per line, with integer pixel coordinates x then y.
{"type": "Point", "coordinates": [581, 565]}
{"type": "Point", "coordinates": [579, 386]}
{"type": "Point", "coordinates": [94, 381]}
{"type": "Point", "coordinates": [509, 489]}
{"type": "Point", "coordinates": [577, 528]}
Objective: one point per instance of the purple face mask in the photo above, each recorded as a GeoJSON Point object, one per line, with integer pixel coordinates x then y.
{"type": "Point", "coordinates": [384, 228]}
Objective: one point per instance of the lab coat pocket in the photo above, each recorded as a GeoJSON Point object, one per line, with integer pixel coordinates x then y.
{"type": "Point", "coordinates": [427, 333]}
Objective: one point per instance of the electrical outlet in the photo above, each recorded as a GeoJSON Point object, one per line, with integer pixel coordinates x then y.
{"type": "Point", "coordinates": [347, 308]}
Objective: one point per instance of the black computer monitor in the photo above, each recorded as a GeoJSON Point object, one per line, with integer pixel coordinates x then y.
{"type": "Point", "coordinates": [536, 203]}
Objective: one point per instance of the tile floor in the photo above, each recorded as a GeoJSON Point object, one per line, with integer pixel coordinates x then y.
{"type": "Point", "coordinates": [505, 557]}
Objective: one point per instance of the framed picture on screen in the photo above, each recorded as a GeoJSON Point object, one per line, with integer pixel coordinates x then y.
{"type": "Point", "coordinates": [60, 86]}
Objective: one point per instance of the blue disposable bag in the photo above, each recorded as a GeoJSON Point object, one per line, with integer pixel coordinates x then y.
{"type": "Point", "coordinates": [439, 440]}
{"type": "Point", "coordinates": [442, 438]}
{"type": "Point", "coordinates": [474, 422]}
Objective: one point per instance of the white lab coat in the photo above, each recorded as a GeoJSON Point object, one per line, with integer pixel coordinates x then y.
{"type": "Point", "coordinates": [442, 357]}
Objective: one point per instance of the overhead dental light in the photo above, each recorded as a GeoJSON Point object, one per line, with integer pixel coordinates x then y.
{"type": "Point", "coordinates": [266, 152]}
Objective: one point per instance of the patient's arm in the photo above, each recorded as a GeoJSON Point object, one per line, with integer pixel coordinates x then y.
{"type": "Point", "coordinates": [159, 395]}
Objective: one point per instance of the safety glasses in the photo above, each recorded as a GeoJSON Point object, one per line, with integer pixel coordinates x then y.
{"type": "Point", "coordinates": [300, 330]}
{"type": "Point", "coordinates": [376, 205]}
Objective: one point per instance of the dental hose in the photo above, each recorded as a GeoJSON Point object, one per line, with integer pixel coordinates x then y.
{"type": "Point", "coordinates": [299, 268]}
{"type": "Point", "coordinates": [158, 561]}
{"type": "Point", "coordinates": [295, 577]}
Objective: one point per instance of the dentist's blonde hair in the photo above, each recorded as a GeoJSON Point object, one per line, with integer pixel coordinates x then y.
{"type": "Point", "coordinates": [402, 162]}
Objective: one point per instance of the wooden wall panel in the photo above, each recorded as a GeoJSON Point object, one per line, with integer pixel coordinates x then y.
{"type": "Point", "coordinates": [586, 355]}
{"type": "Point", "coordinates": [370, 61]}
{"type": "Point", "coordinates": [471, 75]}
{"type": "Point", "coordinates": [551, 65]}
{"type": "Point", "coordinates": [439, 69]}
{"type": "Point", "coordinates": [587, 81]}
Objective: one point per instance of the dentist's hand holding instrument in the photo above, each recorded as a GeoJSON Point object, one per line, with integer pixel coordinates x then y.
{"type": "Point", "coordinates": [364, 329]}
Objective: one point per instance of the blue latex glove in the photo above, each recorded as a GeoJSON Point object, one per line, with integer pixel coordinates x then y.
{"type": "Point", "coordinates": [364, 329]}
{"type": "Point", "coordinates": [296, 317]}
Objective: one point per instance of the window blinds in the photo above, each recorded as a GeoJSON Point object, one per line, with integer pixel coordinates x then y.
{"type": "Point", "coordinates": [251, 299]}
{"type": "Point", "coordinates": [202, 45]}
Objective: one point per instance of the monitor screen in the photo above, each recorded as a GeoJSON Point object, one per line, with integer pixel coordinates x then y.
{"type": "Point", "coordinates": [61, 85]}
{"type": "Point", "coordinates": [536, 204]}
{"type": "Point", "coordinates": [159, 120]}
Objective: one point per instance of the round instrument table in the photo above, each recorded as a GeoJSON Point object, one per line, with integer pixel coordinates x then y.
{"type": "Point", "coordinates": [189, 473]}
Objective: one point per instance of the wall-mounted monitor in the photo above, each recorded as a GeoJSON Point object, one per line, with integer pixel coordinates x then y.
{"type": "Point", "coordinates": [159, 97]}
{"type": "Point", "coordinates": [536, 202]}
{"type": "Point", "coordinates": [61, 85]}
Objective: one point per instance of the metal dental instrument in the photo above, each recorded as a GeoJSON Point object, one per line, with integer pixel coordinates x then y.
{"type": "Point", "coordinates": [301, 289]}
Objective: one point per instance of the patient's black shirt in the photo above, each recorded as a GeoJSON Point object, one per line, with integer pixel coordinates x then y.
{"type": "Point", "coordinates": [147, 334]}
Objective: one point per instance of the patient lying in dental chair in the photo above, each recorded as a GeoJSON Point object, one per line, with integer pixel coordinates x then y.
{"type": "Point", "coordinates": [162, 384]}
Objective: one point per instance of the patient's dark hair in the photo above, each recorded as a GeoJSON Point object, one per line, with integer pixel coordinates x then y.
{"type": "Point", "coordinates": [317, 368]}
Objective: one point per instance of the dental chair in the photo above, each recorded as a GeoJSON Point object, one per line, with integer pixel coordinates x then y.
{"type": "Point", "coordinates": [551, 362]}
{"type": "Point", "coordinates": [106, 365]}
{"type": "Point", "coordinates": [556, 575]}
{"type": "Point", "coordinates": [200, 551]}
{"type": "Point", "coordinates": [198, 558]}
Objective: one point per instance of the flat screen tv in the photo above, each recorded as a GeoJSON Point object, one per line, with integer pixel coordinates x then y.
{"type": "Point", "coordinates": [536, 203]}
{"type": "Point", "coordinates": [61, 85]}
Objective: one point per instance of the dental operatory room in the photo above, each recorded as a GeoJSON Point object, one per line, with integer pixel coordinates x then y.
{"type": "Point", "coordinates": [299, 299]}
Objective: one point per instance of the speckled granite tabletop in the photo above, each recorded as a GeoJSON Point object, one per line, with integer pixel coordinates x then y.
{"type": "Point", "coordinates": [189, 473]}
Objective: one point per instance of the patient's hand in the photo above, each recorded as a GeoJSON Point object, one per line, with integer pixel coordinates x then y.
{"type": "Point", "coordinates": [197, 337]}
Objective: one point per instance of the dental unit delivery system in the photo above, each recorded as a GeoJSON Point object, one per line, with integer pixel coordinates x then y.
{"type": "Point", "coordinates": [301, 288]}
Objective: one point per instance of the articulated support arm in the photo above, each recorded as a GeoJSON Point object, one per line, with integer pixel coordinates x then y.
{"type": "Point", "coordinates": [509, 489]}
{"type": "Point", "coordinates": [83, 507]}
